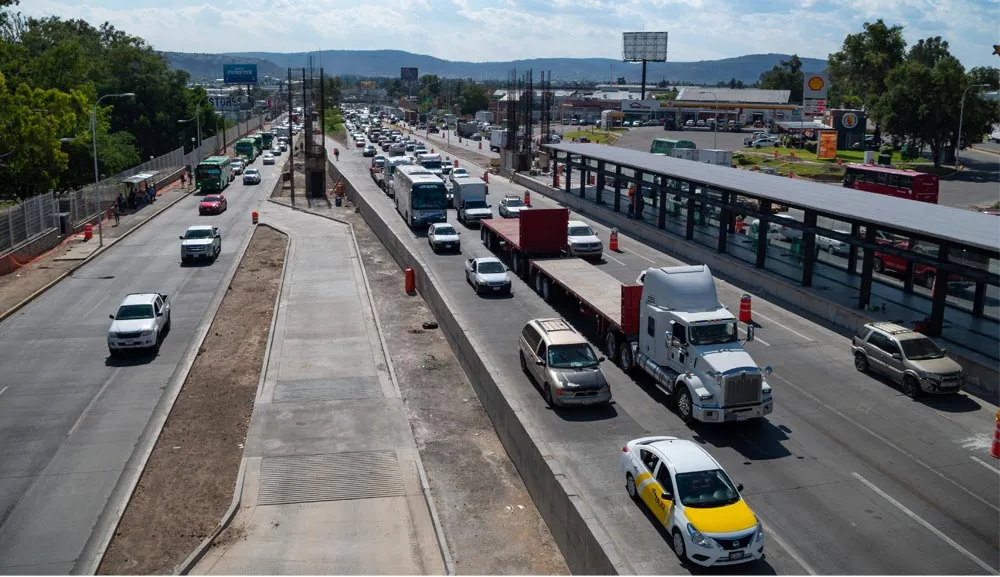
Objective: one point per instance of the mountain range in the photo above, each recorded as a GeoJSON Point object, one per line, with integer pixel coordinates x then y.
{"type": "Point", "coordinates": [386, 63]}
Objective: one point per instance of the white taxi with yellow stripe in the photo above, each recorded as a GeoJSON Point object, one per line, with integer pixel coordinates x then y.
{"type": "Point", "coordinates": [688, 492]}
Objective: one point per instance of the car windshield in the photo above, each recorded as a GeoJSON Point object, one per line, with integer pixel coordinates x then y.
{"type": "Point", "coordinates": [580, 231]}
{"type": "Point", "coordinates": [133, 312]}
{"type": "Point", "coordinates": [210, 199]}
{"type": "Point", "coordinates": [490, 267]}
{"type": "Point", "coordinates": [252, 172]}
{"type": "Point", "coordinates": [431, 164]}
{"type": "Point", "coordinates": [706, 489]}
{"type": "Point", "coordinates": [429, 196]}
{"type": "Point", "coordinates": [445, 231]}
{"type": "Point", "coordinates": [579, 356]}
{"type": "Point", "coordinates": [198, 233]}
{"type": "Point", "coordinates": [513, 202]}
{"type": "Point", "coordinates": [475, 204]}
{"type": "Point", "coordinates": [921, 349]}
{"type": "Point", "coordinates": [714, 334]}
{"type": "Point", "coordinates": [459, 172]}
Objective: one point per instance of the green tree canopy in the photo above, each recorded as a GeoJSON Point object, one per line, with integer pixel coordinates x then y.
{"type": "Point", "coordinates": [787, 75]}
{"type": "Point", "coordinates": [475, 97]}
{"type": "Point", "coordinates": [859, 70]}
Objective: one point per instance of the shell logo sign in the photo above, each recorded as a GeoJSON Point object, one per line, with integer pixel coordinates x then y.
{"type": "Point", "coordinates": [849, 120]}
{"type": "Point", "coordinates": [816, 83]}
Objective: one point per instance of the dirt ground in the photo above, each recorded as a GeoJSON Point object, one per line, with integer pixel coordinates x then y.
{"type": "Point", "coordinates": [188, 483]}
{"type": "Point", "coordinates": [491, 524]}
{"type": "Point", "coordinates": [22, 283]}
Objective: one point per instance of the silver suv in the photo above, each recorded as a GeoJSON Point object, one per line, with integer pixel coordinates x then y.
{"type": "Point", "coordinates": [562, 363]}
{"type": "Point", "coordinates": [907, 357]}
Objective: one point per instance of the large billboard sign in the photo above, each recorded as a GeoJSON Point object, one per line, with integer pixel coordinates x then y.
{"type": "Point", "coordinates": [407, 73]}
{"type": "Point", "coordinates": [228, 103]}
{"type": "Point", "coordinates": [644, 46]}
{"type": "Point", "coordinates": [367, 84]}
{"type": "Point", "coordinates": [239, 73]}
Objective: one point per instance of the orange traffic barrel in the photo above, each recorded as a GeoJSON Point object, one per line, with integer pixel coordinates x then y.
{"type": "Point", "coordinates": [254, 217]}
{"type": "Point", "coordinates": [745, 316]}
{"type": "Point", "coordinates": [410, 283]}
{"type": "Point", "coordinates": [88, 231]}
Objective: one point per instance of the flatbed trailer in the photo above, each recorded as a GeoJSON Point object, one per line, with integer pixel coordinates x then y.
{"type": "Point", "coordinates": [536, 233]}
{"type": "Point", "coordinates": [613, 304]}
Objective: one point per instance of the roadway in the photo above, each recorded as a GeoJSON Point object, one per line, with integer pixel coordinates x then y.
{"type": "Point", "coordinates": [848, 475]}
{"type": "Point", "coordinates": [70, 418]}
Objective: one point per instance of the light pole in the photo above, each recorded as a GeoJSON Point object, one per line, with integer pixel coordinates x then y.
{"type": "Point", "coordinates": [715, 138]}
{"type": "Point", "coordinates": [961, 114]}
{"type": "Point", "coordinates": [97, 176]}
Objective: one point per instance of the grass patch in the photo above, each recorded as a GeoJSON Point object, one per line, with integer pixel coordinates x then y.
{"type": "Point", "coordinates": [597, 136]}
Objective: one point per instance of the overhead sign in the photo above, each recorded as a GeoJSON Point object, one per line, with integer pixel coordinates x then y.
{"type": "Point", "coordinates": [407, 73]}
{"type": "Point", "coordinates": [228, 102]}
{"type": "Point", "coordinates": [644, 105]}
{"type": "Point", "coordinates": [239, 73]}
{"type": "Point", "coordinates": [648, 46]}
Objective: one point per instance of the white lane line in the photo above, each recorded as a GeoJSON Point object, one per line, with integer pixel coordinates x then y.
{"type": "Point", "coordinates": [3, 390]}
{"type": "Point", "coordinates": [756, 339]}
{"type": "Point", "coordinates": [976, 459]}
{"type": "Point", "coordinates": [99, 303]}
{"type": "Point", "coordinates": [650, 261]}
{"type": "Point", "coordinates": [769, 532]}
{"type": "Point", "coordinates": [787, 328]}
{"type": "Point", "coordinates": [606, 255]}
{"type": "Point", "coordinates": [908, 455]}
{"type": "Point", "coordinates": [954, 544]}
{"type": "Point", "coordinates": [92, 402]}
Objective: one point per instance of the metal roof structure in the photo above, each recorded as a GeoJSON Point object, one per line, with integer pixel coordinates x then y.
{"type": "Point", "coordinates": [804, 125]}
{"type": "Point", "coordinates": [741, 95]}
{"type": "Point", "coordinates": [956, 225]}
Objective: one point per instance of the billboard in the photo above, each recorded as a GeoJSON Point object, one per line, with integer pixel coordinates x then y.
{"type": "Point", "coordinates": [228, 103]}
{"type": "Point", "coordinates": [407, 73]}
{"type": "Point", "coordinates": [815, 86]}
{"type": "Point", "coordinates": [827, 149]}
{"type": "Point", "coordinates": [367, 84]}
{"type": "Point", "coordinates": [648, 46]}
{"type": "Point", "coordinates": [239, 73]}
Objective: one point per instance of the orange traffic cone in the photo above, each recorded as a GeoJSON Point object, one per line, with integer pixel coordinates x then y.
{"type": "Point", "coordinates": [995, 447]}
{"type": "Point", "coordinates": [527, 198]}
{"type": "Point", "coordinates": [613, 241]}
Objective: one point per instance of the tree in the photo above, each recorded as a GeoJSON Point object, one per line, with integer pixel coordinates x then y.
{"type": "Point", "coordinates": [787, 75]}
{"type": "Point", "coordinates": [980, 114]}
{"type": "Point", "coordinates": [474, 98]}
{"type": "Point", "coordinates": [858, 71]}
{"type": "Point", "coordinates": [621, 80]}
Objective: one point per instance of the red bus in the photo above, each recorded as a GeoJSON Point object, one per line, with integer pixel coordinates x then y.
{"type": "Point", "coordinates": [892, 182]}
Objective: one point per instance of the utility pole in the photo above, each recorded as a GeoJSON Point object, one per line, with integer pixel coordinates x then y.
{"type": "Point", "coordinates": [291, 139]}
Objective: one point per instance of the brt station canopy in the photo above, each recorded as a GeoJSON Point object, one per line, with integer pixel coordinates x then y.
{"type": "Point", "coordinates": [812, 233]}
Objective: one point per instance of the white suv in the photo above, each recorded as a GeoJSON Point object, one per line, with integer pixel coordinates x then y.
{"type": "Point", "coordinates": [201, 241]}
{"type": "Point", "coordinates": [583, 241]}
{"type": "Point", "coordinates": [140, 323]}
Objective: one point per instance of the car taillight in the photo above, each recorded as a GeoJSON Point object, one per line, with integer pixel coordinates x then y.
{"type": "Point", "coordinates": [625, 449]}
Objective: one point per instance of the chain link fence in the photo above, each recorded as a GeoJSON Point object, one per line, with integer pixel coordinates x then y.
{"type": "Point", "coordinates": [40, 214]}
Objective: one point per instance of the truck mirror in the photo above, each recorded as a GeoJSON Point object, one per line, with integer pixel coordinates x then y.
{"type": "Point", "coordinates": [750, 329]}
{"type": "Point", "coordinates": [112, 317]}
{"type": "Point", "coordinates": [181, 237]}
{"type": "Point", "coordinates": [601, 359]}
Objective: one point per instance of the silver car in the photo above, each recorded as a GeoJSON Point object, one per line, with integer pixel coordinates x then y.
{"type": "Point", "coordinates": [487, 275]}
{"type": "Point", "coordinates": [443, 236]}
{"type": "Point", "coordinates": [562, 363]}
{"type": "Point", "coordinates": [907, 357]}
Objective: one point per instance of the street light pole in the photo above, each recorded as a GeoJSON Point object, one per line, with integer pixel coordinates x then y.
{"type": "Point", "coordinates": [97, 175]}
{"type": "Point", "coordinates": [715, 138]}
{"type": "Point", "coordinates": [961, 114]}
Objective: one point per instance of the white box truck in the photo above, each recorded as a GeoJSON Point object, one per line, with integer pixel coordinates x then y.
{"type": "Point", "coordinates": [498, 140]}
{"type": "Point", "coordinates": [470, 199]}
{"type": "Point", "coordinates": [686, 153]}
{"type": "Point", "coordinates": [484, 116]}
{"type": "Point", "coordinates": [716, 156]}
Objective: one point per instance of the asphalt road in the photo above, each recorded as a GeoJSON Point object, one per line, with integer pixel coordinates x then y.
{"type": "Point", "coordinates": [848, 475]}
{"type": "Point", "coordinates": [70, 418]}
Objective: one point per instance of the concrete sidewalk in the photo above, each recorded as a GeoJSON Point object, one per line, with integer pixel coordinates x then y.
{"type": "Point", "coordinates": [332, 481]}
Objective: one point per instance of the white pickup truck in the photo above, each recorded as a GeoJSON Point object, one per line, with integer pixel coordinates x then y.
{"type": "Point", "coordinates": [142, 320]}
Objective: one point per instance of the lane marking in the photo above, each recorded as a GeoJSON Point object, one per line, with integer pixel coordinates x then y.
{"type": "Point", "coordinates": [909, 455]}
{"type": "Point", "coordinates": [787, 328]}
{"type": "Point", "coordinates": [770, 532]}
{"type": "Point", "coordinates": [954, 544]}
{"type": "Point", "coordinates": [99, 303]}
{"type": "Point", "coordinates": [976, 459]}
{"type": "Point", "coordinates": [92, 402]}
{"type": "Point", "coordinates": [606, 255]}
{"type": "Point", "coordinates": [4, 390]}
{"type": "Point", "coordinates": [650, 261]}
{"type": "Point", "coordinates": [756, 339]}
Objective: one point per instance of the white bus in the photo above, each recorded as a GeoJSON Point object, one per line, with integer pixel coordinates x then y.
{"type": "Point", "coordinates": [421, 197]}
{"type": "Point", "coordinates": [390, 171]}
{"type": "Point", "coordinates": [431, 162]}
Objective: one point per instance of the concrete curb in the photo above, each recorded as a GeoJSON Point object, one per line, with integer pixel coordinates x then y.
{"type": "Point", "coordinates": [425, 486]}
{"type": "Point", "coordinates": [188, 564]}
{"type": "Point", "coordinates": [986, 150]}
{"type": "Point", "coordinates": [54, 282]}
{"type": "Point", "coordinates": [121, 495]}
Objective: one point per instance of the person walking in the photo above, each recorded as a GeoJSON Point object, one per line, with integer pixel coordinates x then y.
{"type": "Point", "coordinates": [336, 154]}
{"type": "Point", "coordinates": [183, 179]}
{"type": "Point", "coordinates": [151, 191]}
{"type": "Point", "coordinates": [117, 212]}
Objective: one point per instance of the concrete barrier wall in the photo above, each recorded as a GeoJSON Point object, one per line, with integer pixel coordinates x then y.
{"type": "Point", "coordinates": [583, 543]}
{"type": "Point", "coordinates": [23, 254]}
{"type": "Point", "coordinates": [981, 374]}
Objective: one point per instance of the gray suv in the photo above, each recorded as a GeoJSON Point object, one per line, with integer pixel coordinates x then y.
{"type": "Point", "coordinates": [907, 357]}
{"type": "Point", "coordinates": [562, 363]}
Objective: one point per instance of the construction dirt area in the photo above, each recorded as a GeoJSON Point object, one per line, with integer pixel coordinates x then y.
{"type": "Point", "coordinates": [490, 522]}
{"type": "Point", "coordinates": [188, 482]}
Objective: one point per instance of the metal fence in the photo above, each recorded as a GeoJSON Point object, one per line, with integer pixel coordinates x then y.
{"type": "Point", "coordinates": [39, 214]}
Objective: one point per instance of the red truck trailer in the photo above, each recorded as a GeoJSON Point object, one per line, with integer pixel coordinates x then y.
{"type": "Point", "coordinates": [536, 233]}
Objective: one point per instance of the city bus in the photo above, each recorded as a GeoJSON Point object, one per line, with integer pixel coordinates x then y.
{"type": "Point", "coordinates": [246, 148]}
{"type": "Point", "coordinates": [213, 174]}
{"type": "Point", "coordinates": [258, 143]}
{"type": "Point", "coordinates": [667, 145]}
{"type": "Point", "coordinates": [267, 140]}
{"type": "Point", "coordinates": [892, 182]}
{"type": "Point", "coordinates": [421, 198]}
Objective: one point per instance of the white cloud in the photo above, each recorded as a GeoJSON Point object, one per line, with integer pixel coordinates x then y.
{"type": "Point", "coordinates": [485, 30]}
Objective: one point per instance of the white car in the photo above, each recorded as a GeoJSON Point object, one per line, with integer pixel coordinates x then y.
{"type": "Point", "coordinates": [487, 275]}
{"type": "Point", "coordinates": [268, 158]}
{"type": "Point", "coordinates": [832, 245]}
{"type": "Point", "coordinates": [237, 165]}
{"type": "Point", "coordinates": [276, 150]}
{"type": "Point", "coordinates": [583, 241]}
{"type": "Point", "coordinates": [694, 499]}
{"type": "Point", "coordinates": [140, 323]}
{"type": "Point", "coordinates": [510, 206]}
{"type": "Point", "coordinates": [202, 241]}
{"type": "Point", "coordinates": [251, 176]}
{"type": "Point", "coordinates": [785, 232]}
{"type": "Point", "coordinates": [443, 236]}
{"type": "Point", "coordinates": [457, 173]}
{"type": "Point", "coordinates": [764, 142]}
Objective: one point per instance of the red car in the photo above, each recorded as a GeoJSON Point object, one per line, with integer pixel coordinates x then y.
{"type": "Point", "coordinates": [922, 273]}
{"type": "Point", "coordinates": [212, 204]}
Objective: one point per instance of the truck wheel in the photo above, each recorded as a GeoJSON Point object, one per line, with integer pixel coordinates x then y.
{"type": "Point", "coordinates": [684, 403]}
{"type": "Point", "coordinates": [861, 362]}
{"type": "Point", "coordinates": [611, 345]}
{"type": "Point", "coordinates": [625, 359]}
{"type": "Point", "coordinates": [878, 266]}
{"type": "Point", "coordinates": [516, 261]}
{"type": "Point", "coordinates": [539, 280]}
{"type": "Point", "coordinates": [911, 388]}
{"type": "Point", "coordinates": [547, 290]}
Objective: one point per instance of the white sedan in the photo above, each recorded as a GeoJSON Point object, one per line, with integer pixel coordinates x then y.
{"type": "Point", "coordinates": [268, 158]}
{"type": "Point", "coordinates": [443, 236]}
{"type": "Point", "coordinates": [690, 494]}
{"type": "Point", "coordinates": [487, 274]}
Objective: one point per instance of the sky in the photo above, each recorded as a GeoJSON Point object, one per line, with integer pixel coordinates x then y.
{"type": "Point", "coordinates": [502, 30]}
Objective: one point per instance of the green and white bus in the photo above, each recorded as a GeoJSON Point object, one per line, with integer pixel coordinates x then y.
{"type": "Point", "coordinates": [267, 140]}
{"type": "Point", "coordinates": [213, 174]}
{"type": "Point", "coordinates": [246, 148]}
{"type": "Point", "coordinates": [667, 145]}
{"type": "Point", "coordinates": [258, 142]}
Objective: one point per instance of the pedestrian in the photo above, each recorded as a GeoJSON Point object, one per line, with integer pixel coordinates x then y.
{"type": "Point", "coordinates": [336, 154]}
{"type": "Point", "coordinates": [117, 212]}
{"type": "Point", "coordinates": [183, 179]}
{"type": "Point", "coordinates": [152, 192]}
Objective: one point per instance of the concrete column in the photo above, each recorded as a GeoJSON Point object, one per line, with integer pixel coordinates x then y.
{"type": "Point", "coordinates": [852, 251]}
{"type": "Point", "coordinates": [809, 247]}
{"type": "Point", "coordinates": [940, 292]}
{"type": "Point", "coordinates": [865, 294]}
{"type": "Point", "coordinates": [689, 229]}
{"type": "Point", "coordinates": [763, 228]}
{"type": "Point", "coordinates": [618, 189]}
{"type": "Point", "coordinates": [600, 181]}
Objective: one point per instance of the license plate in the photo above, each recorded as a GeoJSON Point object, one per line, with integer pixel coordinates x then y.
{"type": "Point", "coordinates": [734, 555]}
{"type": "Point", "coordinates": [496, 289]}
{"type": "Point", "coordinates": [129, 343]}
{"type": "Point", "coordinates": [742, 417]}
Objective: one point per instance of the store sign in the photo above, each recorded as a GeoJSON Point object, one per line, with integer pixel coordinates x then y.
{"type": "Point", "coordinates": [815, 86]}
{"type": "Point", "coordinates": [849, 120]}
{"type": "Point", "coordinates": [228, 102]}
{"type": "Point", "coordinates": [827, 149]}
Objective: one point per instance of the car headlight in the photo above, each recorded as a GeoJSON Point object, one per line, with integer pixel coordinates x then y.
{"type": "Point", "coordinates": [760, 533]}
{"type": "Point", "coordinates": [146, 333]}
{"type": "Point", "coordinates": [699, 539]}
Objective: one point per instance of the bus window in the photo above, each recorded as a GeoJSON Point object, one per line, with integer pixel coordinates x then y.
{"type": "Point", "coordinates": [905, 182]}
